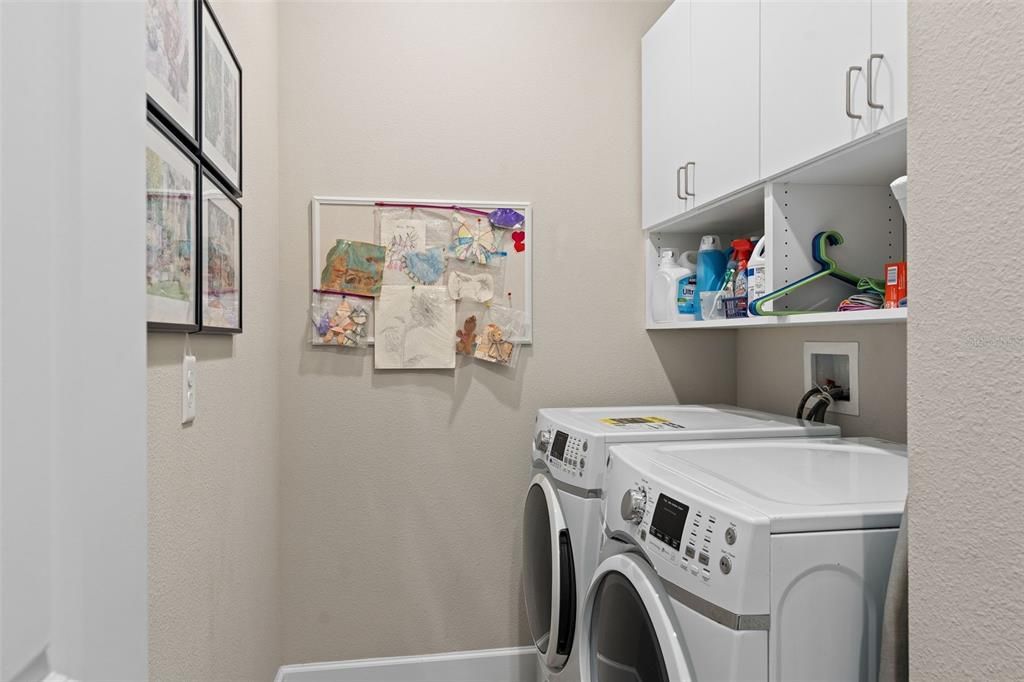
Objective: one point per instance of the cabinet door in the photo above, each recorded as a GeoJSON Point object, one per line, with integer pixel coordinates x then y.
{"type": "Point", "coordinates": [665, 57]}
{"type": "Point", "coordinates": [888, 72]}
{"type": "Point", "coordinates": [806, 49]}
{"type": "Point", "coordinates": [725, 129]}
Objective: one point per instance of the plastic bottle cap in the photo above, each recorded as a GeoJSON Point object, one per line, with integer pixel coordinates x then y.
{"type": "Point", "coordinates": [710, 242]}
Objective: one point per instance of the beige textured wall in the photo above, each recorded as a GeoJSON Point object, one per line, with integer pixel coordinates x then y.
{"type": "Point", "coordinates": [770, 374]}
{"type": "Point", "coordinates": [965, 380]}
{"type": "Point", "coordinates": [213, 499]}
{"type": "Point", "coordinates": [402, 491]}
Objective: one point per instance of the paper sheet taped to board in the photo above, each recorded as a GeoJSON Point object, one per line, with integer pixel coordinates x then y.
{"type": "Point", "coordinates": [641, 423]}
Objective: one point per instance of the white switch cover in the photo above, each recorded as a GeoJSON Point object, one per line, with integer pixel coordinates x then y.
{"type": "Point", "coordinates": [188, 390]}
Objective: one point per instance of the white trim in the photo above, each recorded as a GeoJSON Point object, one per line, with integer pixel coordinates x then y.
{"type": "Point", "coordinates": [648, 585]}
{"type": "Point", "coordinates": [524, 207]}
{"type": "Point", "coordinates": [493, 665]}
{"type": "Point", "coordinates": [551, 658]}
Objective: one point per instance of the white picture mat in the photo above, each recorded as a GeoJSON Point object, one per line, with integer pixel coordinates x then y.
{"type": "Point", "coordinates": [353, 218]}
{"type": "Point", "coordinates": [213, 195]}
{"type": "Point", "coordinates": [184, 116]}
{"type": "Point", "coordinates": [161, 309]}
{"type": "Point", "coordinates": [209, 147]}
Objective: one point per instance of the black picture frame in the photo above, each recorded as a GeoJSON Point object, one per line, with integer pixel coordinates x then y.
{"type": "Point", "coordinates": [207, 151]}
{"type": "Point", "coordinates": [154, 106]}
{"type": "Point", "coordinates": [194, 248]}
{"type": "Point", "coordinates": [205, 250]}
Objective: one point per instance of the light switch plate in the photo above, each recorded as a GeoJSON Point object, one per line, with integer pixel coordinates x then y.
{"type": "Point", "coordinates": [837, 361]}
{"type": "Point", "coordinates": [188, 389]}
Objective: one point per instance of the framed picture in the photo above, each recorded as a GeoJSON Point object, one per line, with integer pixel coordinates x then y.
{"type": "Point", "coordinates": [172, 67]}
{"type": "Point", "coordinates": [221, 97]}
{"type": "Point", "coordinates": [172, 214]}
{"type": "Point", "coordinates": [220, 276]}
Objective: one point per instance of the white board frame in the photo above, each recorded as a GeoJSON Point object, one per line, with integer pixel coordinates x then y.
{"type": "Point", "coordinates": [524, 207]}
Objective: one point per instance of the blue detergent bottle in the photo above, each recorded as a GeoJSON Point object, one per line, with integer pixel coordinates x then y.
{"type": "Point", "coordinates": [711, 262]}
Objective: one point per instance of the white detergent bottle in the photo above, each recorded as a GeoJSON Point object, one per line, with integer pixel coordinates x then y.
{"type": "Point", "coordinates": [757, 274]}
{"type": "Point", "coordinates": [672, 288]}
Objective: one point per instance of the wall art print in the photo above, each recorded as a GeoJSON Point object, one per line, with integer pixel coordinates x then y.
{"type": "Point", "coordinates": [171, 217]}
{"type": "Point", "coordinates": [221, 275]}
{"type": "Point", "coordinates": [171, 61]}
{"type": "Point", "coordinates": [353, 268]}
{"type": "Point", "coordinates": [222, 103]}
{"type": "Point", "coordinates": [413, 328]}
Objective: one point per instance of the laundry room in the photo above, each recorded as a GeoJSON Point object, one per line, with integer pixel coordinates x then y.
{"type": "Point", "coordinates": [509, 340]}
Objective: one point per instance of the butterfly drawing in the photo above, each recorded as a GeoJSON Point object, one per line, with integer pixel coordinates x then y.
{"type": "Point", "coordinates": [475, 240]}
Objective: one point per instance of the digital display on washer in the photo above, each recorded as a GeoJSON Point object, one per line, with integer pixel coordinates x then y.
{"type": "Point", "coordinates": [669, 520]}
{"type": "Point", "coordinates": [558, 445]}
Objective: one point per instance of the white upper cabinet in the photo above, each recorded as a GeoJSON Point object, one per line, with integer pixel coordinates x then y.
{"type": "Point", "coordinates": [725, 134]}
{"type": "Point", "coordinates": [887, 66]}
{"type": "Point", "coordinates": [813, 84]}
{"type": "Point", "coordinates": [665, 51]}
{"type": "Point", "coordinates": [736, 91]}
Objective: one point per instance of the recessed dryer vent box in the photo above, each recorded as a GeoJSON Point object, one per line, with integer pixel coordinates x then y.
{"type": "Point", "coordinates": [836, 361]}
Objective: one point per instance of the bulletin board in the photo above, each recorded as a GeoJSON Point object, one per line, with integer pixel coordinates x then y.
{"type": "Point", "coordinates": [353, 218]}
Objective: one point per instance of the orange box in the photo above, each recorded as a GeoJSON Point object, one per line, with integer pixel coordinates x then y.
{"type": "Point", "coordinates": [895, 284]}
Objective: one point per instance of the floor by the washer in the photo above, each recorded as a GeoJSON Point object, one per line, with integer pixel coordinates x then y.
{"type": "Point", "coordinates": [489, 665]}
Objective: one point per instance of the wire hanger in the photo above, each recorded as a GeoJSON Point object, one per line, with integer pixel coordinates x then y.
{"type": "Point", "coordinates": [829, 268]}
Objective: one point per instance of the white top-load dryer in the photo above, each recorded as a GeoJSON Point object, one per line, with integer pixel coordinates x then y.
{"type": "Point", "coordinates": [755, 560]}
{"type": "Point", "coordinates": [562, 516]}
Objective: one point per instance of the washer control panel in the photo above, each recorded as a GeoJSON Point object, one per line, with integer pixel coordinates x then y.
{"type": "Point", "coordinates": [696, 538]}
{"type": "Point", "coordinates": [683, 532]}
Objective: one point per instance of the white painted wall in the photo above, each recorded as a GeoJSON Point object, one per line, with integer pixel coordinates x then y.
{"type": "Point", "coordinates": [213, 486]}
{"type": "Point", "coordinates": [401, 492]}
{"type": "Point", "coordinates": [965, 384]}
{"type": "Point", "coordinates": [72, 432]}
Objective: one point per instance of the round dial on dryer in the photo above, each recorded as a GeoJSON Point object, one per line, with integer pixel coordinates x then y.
{"type": "Point", "coordinates": [542, 440]}
{"type": "Point", "coordinates": [633, 504]}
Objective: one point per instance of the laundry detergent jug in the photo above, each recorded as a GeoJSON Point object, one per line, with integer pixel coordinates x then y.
{"type": "Point", "coordinates": [711, 262]}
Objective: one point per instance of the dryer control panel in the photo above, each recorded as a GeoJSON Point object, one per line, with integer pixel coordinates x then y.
{"type": "Point", "coordinates": [569, 456]}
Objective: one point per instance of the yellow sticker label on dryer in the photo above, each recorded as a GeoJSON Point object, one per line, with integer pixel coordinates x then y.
{"type": "Point", "coordinates": [641, 423]}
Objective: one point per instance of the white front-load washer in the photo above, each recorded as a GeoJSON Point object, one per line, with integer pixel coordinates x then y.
{"type": "Point", "coordinates": [562, 524]}
{"type": "Point", "coordinates": [754, 560]}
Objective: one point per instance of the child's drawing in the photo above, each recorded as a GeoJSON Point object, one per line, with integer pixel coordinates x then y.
{"type": "Point", "coordinates": [399, 237]}
{"type": "Point", "coordinates": [501, 325]}
{"type": "Point", "coordinates": [353, 268]}
{"type": "Point", "coordinates": [413, 328]}
{"type": "Point", "coordinates": [492, 346]}
{"type": "Point", "coordinates": [466, 336]}
{"type": "Point", "coordinates": [475, 239]}
{"type": "Point", "coordinates": [340, 321]}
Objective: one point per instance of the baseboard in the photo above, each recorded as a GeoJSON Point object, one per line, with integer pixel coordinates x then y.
{"type": "Point", "coordinates": [517, 664]}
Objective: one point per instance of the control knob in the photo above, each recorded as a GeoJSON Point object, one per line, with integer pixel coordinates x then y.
{"type": "Point", "coordinates": [632, 506]}
{"type": "Point", "coordinates": [542, 440]}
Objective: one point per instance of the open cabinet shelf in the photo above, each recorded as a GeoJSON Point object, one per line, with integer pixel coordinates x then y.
{"type": "Point", "coordinates": [846, 190]}
{"type": "Point", "coordinates": [891, 316]}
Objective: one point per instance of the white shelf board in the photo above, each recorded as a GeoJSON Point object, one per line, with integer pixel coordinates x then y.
{"type": "Point", "coordinates": [875, 159]}
{"type": "Point", "coordinates": [890, 316]}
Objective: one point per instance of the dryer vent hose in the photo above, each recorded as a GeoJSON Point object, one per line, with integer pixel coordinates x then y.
{"type": "Point", "coordinates": [820, 399]}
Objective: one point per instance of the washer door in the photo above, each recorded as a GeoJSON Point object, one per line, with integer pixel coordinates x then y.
{"type": "Point", "coordinates": [630, 633]}
{"type": "Point", "coordinates": [549, 576]}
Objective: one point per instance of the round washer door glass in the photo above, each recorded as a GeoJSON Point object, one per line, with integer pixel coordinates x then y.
{"type": "Point", "coordinates": [537, 566]}
{"type": "Point", "coordinates": [624, 644]}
